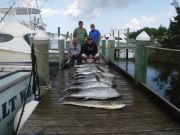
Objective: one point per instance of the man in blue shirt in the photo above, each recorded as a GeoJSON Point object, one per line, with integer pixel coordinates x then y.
{"type": "Point", "coordinates": [95, 35]}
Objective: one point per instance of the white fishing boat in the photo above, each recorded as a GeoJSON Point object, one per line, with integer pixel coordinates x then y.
{"type": "Point", "coordinates": [14, 31]}
{"type": "Point", "coordinates": [15, 60]}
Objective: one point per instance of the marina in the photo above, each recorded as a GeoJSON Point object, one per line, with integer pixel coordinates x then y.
{"type": "Point", "coordinates": [145, 112]}
{"type": "Point", "coordinates": [123, 82]}
{"type": "Point", "coordinates": [140, 114]}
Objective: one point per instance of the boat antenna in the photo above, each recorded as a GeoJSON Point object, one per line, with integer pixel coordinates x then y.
{"type": "Point", "coordinates": [7, 12]}
{"type": "Point", "coordinates": [39, 8]}
{"type": "Point", "coordinates": [42, 5]}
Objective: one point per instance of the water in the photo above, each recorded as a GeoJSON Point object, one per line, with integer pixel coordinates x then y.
{"type": "Point", "coordinates": [54, 44]}
{"type": "Point", "coordinates": [164, 79]}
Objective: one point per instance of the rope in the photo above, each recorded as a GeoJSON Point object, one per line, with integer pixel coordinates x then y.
{"type": "Point", "coordinates": [35, 75]}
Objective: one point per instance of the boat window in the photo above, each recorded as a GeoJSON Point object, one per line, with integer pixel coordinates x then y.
{"type": "Point", "coordinates": [5, 37]}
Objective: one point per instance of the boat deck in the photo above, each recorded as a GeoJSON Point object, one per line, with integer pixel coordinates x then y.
{"type": "Point", "coordinates": [141, 116]}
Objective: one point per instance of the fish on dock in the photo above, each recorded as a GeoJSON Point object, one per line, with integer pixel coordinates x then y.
{"type": "Point", "coordinates": [97, 68]}
{"type": "Point", "coordinates": [106, 75]}
{"type": "Point", "coordinates": [85, 73]}
{"type": "Point", "coordinates": [89, 85]}
{"type": "Point", "coordinates": [76, 77]}
{"type": "Point", "coordinates": [98, 77]}
{"type": "Point", "coordinates": [84, 65]}
{"type": "Point", "coordinates": [81, 81]}
{"type": "Point", "coordinates": [102, 69]}
{"type": "Point", "coordinates": [86, 69]}
{"type": "Point", "coordinates": [96, 104]}
{"type": "Point", "coordinates": [100, 93]}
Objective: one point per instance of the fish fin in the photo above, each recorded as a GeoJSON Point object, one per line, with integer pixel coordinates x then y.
{"type": "Point", "coordinates": [86, 98]}
{"type": "Point", "coordinates": [60, 100]}
{"type": "Point", "coordinates": [97, 78]}
{"type": "Point", "coordinates": [66, 90]}
{"type": "Point", "coordinates": [99, 74]}
{"type": "Point", "coordinates": [100, 68]}
{"type": "Point", "coordinates": [70, 89]}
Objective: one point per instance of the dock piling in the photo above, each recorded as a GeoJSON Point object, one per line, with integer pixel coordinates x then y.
{"type": "Point", "coordinates": [59, 31]}
{"type": "Point", "coordinates": [111, 49]}
{"type": "Point", "coordinates": [61, 42]}
{"type": "Point", "coordinates": [103, 40]}
{"type": "Point", "coordinates": [68, 42]}
{"type": "Point", "coordinates": [141, 57]}
{"type": "Point", "coordinates": [41, 47]}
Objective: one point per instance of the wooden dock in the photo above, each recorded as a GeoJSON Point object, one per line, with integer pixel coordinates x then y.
{"type": "Point", "coordinates": [141, 116]}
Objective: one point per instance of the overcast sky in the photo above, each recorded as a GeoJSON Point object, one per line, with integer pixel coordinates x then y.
{"type": "Point", "coordinates": [105, 14]}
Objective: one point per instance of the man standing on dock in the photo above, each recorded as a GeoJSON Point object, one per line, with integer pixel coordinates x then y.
{"type": "Point", "coordinates": [80, 33]}
{"type": "Point", "coordinates": [95, 35]}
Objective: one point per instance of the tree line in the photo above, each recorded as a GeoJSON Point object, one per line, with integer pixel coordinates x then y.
{"type": "Point", "coordinates": [167, 37]}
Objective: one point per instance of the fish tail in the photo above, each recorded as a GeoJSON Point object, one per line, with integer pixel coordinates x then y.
{"type": "Point", "coordinates": [97, 78]}
{"type": "Point", "coordinates": [99, 68]}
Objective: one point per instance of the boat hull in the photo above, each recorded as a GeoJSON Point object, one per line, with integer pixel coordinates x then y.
{"type": "Point", "coordinates": [13, 89]}
{"type": "Point", "coordinates": [13, 56]}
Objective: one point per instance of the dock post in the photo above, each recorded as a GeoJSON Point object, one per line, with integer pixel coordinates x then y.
{"type": "Point", "coordinates": [59, 31]}
{"type": "Point", "coordinates": [127, 54]}
{"type": "Point", "coordinates": [127, 51]}
{"type": "Point", "coordinates": [111, 49]}
{"type": "Point", "coordinates": [68, 42]}
{"type": "Point", "coordinates": [118, 38]}
{"type": "Point", "coordinates": [41, 48]}
{"type": "Point", "coordinates": [127, 35]}
{"type": "Point", "coordinates": [112, 33]}
{"type": "Point", "coordinates": [141, 57]}
{"type": "Point", "coordinates": [67, 35]}
{"type": "Point", "coordinates": [103, 47]}
{"type": "Point", "coordinates": [71, 36]}
{"type": "Point", "coordinates": [61, 42]}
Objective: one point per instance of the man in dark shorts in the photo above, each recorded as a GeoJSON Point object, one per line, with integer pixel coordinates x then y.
{"type": "Point", "coordinates": [90, 51]}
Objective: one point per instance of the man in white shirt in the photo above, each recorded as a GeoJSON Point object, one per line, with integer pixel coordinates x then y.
{"type": "Point", "coordinates": [74, 51]}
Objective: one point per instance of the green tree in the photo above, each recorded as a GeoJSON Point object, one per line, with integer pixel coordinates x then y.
{"type": "Point", "coordinates": [155, 34]}
{"type": "Point", "coordinates": [173, 36]}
